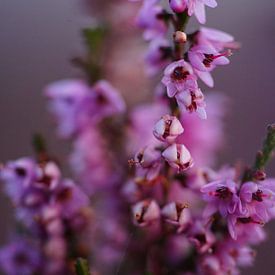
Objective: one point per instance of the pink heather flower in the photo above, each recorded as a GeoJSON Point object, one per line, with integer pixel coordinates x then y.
{"type": "Point", "coordinates": [204, 59]}
{"type": "Point", "coordinates": [245, 229]}
{"type": "Point", "coordinates": [258, 201]}
{"type": "Point", "coordinates": [70, 104]}
{"type": "Point", "coordinates": [178, 156]}
{"type": "Point", "coordinates": [48, 176]}
{"type": "Point", "coordinates": [192, 101]}
{"type": "Point", "coordinates": [221, 196]}
{"type": "Point", "coordinates": [168, 128]}
{"type": "Point", "coordinates": [107, 100]}
{"type": "Point", "coordinates": [157, 55]}
{"type": "Point", "coordinates": [216, 39]}
{"type": "Point", "coordinates": [149, 19]}
{"type": "Point", "coordinates": [196, 7]}
{"type": "Point", "coordinates": [177, 214]}
{"type": "Point", "coordinates": [234, 254]}
{"type": "Point", "coordinates": [145, 212]}
{"type": "Point", "coordinates": [149, 160]}
{"type": "Point", "coordinates": [178, 77]}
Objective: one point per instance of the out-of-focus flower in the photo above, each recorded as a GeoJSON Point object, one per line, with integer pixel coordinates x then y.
{"type": "Point", "coordinates": [19, 257]}
{"type": "Point", "coordinates": [70, 197]}
{"type": "Point", "coordinates": [91, 167]}
{"type": "Point", "coordinates": [150, 19]}
{"type": "Point", "coordinates": [77, 106]}
{"type": "Point", "coordinates": [179, 77]}
{"type": "Point", "coordinates": [168, 128]}
{"type": "Point", "coordinates": [178, 156]}
{"type": "Point", "coordinates": [70, 104]}
{"type": "Point", "coordinates": [157, 55]}
{"type": "Point", "coordinates": [18, 175]}
{"type": "Point", "coordinates": [106, 100]}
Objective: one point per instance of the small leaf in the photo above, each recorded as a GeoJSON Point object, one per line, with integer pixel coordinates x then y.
{"type": "Point", "coordinates": [94, 38]}
{"type": "Point", "coordinates": [82, 267]}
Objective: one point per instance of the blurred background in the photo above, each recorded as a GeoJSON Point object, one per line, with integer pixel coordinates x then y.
{"type": "Point", "coordinates": [38, 38]}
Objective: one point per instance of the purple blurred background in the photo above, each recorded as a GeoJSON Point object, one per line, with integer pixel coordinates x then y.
{"type": "Point", "coordinates": [37, 39]}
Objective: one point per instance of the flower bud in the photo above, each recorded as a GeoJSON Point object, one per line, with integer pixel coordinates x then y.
{"type": "Point", "coordinates": [145, 212]}
{"type": "Point", "coordinates": [168, 128]}
{"type": "Point", "coordinates": [147, 157]}
{"type": "Point", "coordinates": [180, 37]}
{"type": "Point", "coordinates": [178, 6]}
{"type": "Point", "coordinates": [178, 156]}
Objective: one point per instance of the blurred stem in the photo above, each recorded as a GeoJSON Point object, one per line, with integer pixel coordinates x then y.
{"type": "Point", "coordinates": [262, 157]}
{"type": "Point", "coordinates": [82, 267]}
{"type": "Point", "coordinates": [40, 148]}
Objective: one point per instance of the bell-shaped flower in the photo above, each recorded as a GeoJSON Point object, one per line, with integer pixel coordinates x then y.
{"type": "Point", "coordinates": [177, 214]}
{"type": "Point", "coordinates": [192, 101]}
{"type": "Point", "coordinates": [178, 77]}
{"type": "Point", "coordinates": [145, 212]}
{"type": "Point", "coordinates": [178, 156]}
{"type": "Point", "coordinates": [168, 128]}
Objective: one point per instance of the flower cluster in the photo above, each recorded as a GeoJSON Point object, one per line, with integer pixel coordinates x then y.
{"type": "Point", "coordinates": [51, 209]}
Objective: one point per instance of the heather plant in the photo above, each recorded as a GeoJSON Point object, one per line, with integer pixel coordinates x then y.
{"type": "Point", "coordinates": [146, 196]}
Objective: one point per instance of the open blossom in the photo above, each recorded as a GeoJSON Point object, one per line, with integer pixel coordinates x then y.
{"type": "Point", "coordinates": [149, 19]}
{"type": "Point", "coordinates": [204, 59]}
{"type": "Point", "coordinates": [196, 7]}
{"type": "Point", "coordinates": [221, 196]}
{"type": "Point", "coordinates": [178, 156]}
{"type": "Point", "coordinates": [168, 128]}
{"type": "Point", "coordinates": [178, 77]}
{"type": "Point", "coordinates": [192, 101]}
{"type": "Point", "coordinates": [258, 201]}
{"type": "Point", "coordinates": [146, 212]}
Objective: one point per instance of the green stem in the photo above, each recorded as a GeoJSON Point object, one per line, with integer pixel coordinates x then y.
{"type": "Point", "coordinates": [181, 23]}
{"type": "Point", "coordinates": [262, 157]}
{"type": "Point", "coordinates": [82, 267]}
